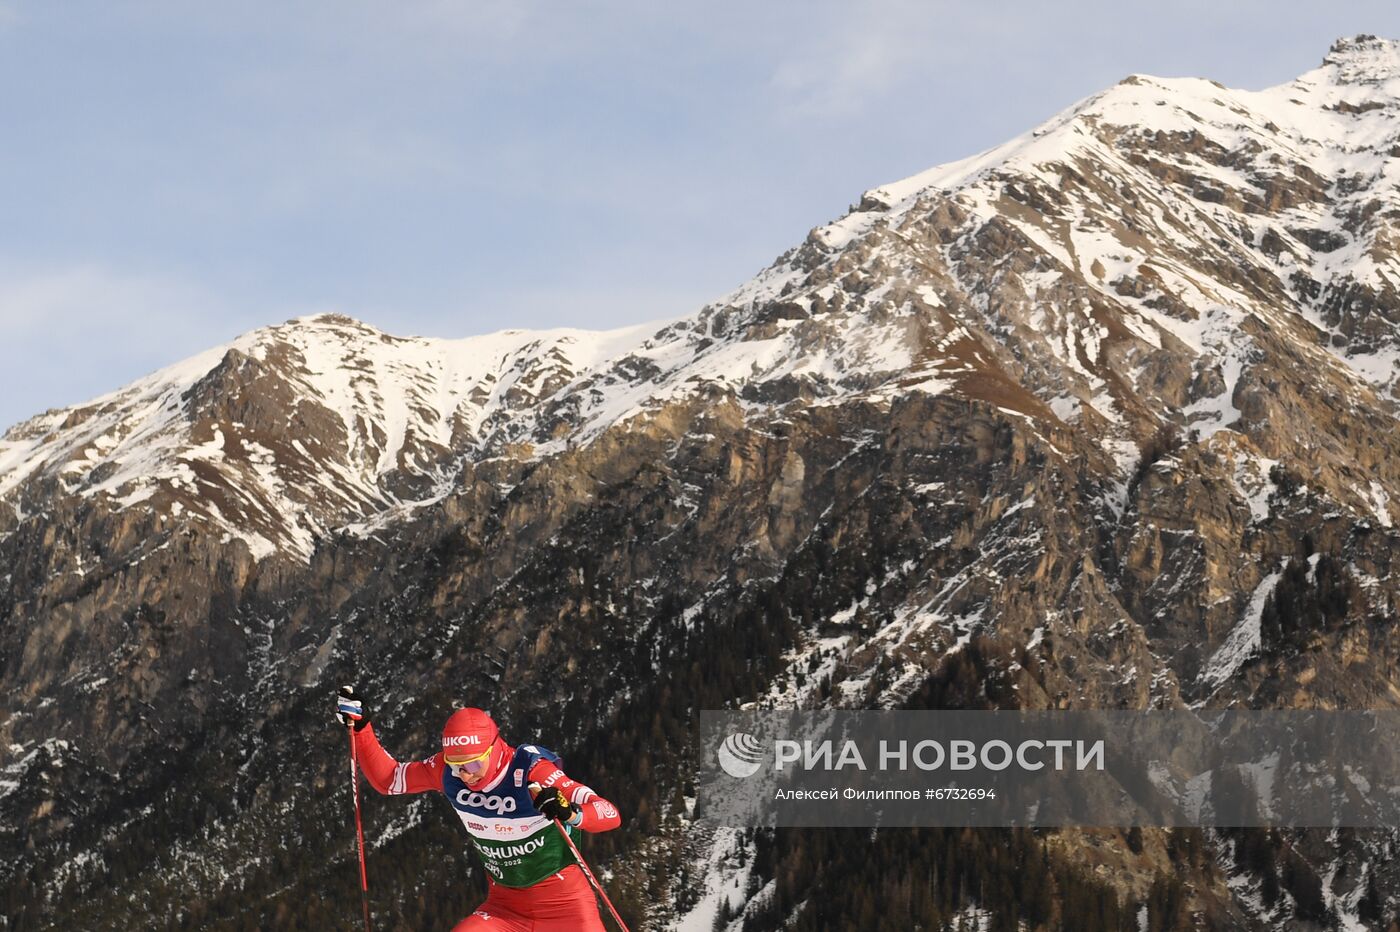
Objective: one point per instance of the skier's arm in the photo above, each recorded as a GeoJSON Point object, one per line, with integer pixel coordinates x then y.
{"type": "Point", "coordinates": [388, 775]}
{"type": "Point", "coordinates": [597, 814]}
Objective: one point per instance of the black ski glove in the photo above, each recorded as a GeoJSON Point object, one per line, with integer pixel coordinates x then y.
{"type": "Point", "coordinates": [553, 803]}
{"type": "Point", "coordinates": [350, 708]}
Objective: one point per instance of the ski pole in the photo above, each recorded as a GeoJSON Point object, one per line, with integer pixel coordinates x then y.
{"type": "Point", "coordinates": [598, 888]}
{"type": "Point", "coordinates": [359, 827]}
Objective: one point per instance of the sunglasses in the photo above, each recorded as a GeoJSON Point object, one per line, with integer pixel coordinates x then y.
{"type": "Point", "coordinates": [471, 765]}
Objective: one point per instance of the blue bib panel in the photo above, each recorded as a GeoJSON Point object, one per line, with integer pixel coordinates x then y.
{"type": "Point", "coordinates": [510, 797]}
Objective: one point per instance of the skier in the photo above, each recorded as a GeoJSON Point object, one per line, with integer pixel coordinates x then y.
{"type": "Point", "coordinates": [506, 797]}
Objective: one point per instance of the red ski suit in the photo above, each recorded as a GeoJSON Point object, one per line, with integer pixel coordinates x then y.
{"type": "Point", "coordinates": [537, 886]}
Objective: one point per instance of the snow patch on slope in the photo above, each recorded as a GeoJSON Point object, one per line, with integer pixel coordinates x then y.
{"type": "Point", "coordinates": [1244, 640]}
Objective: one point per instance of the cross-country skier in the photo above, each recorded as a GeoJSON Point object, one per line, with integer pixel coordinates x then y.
{"type": "Point", "coordinates": [506, 797]}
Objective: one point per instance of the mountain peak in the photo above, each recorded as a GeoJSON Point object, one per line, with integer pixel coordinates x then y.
{"type": "Point", "coordinates": [1364, 59]}
{"type": "Point", "coordinates": [332, 320]}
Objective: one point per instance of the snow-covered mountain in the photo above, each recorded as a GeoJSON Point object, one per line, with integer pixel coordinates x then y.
{"type": "Point", "coordinates": [1161, 212]}
{"type": "Point", "coordinates": [1104, 416]}
{"type": "Point", "coordinates": [293, 430]}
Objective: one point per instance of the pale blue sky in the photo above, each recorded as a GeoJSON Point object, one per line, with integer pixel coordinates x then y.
{"type": "Point", "coordinates": [175, 173]}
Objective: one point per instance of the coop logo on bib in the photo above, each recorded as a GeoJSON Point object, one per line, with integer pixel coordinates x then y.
{"type": "Point", "coordinates": [498, 804]}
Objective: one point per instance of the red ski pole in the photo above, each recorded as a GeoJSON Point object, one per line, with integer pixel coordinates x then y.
{"type": "Point", "coordinates": [597, 887]}
{"type": "Point", "coordinates": [359, 827]}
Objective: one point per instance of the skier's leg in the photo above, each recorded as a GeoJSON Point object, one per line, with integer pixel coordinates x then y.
{"type": "Point", "coordinates": [483, 920]}
{"type": "Point", "coordinates": [565, 903]}
{"type": "Point", "coordinates": [496, 914]}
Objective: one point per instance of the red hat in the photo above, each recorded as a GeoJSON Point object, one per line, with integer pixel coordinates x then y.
{"type": "Point", "coordinates": [468, 732]}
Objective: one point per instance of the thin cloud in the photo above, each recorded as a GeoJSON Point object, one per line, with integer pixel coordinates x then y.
{"type": "Point", "coordinates": [83, 295]}
{"type": "Point", "coordinates": [494, 19]}
{"type": "Point", "coordinates": [370, 32]}
{"type": "Point", "coordinates": [75, 332]}
{"type": "Point", "coordinates": [855, 55]}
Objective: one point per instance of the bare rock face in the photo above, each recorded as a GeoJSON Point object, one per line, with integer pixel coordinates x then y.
{"type": "Point", "coordinates": [1103, 418]}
